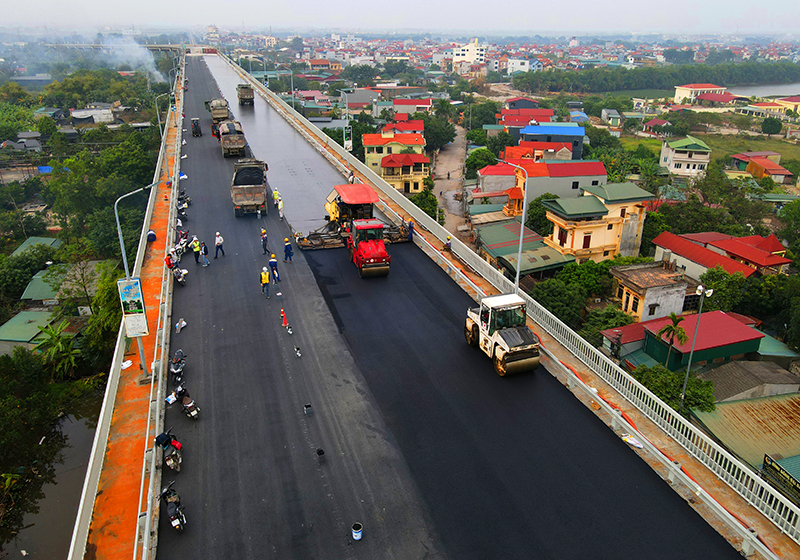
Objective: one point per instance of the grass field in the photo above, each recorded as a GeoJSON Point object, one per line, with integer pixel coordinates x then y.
{"type": "Point", "coordinates": [647, 93]}
{"type": "Point", "coordinates": [630, 143]}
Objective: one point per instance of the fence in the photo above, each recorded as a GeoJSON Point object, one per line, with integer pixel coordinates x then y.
{"type": "Point", "coordinates": [776, 507]}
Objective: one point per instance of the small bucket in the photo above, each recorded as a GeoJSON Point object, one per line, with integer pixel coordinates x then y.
{"type": "Point", "coordinates": [320, 456]}
{"type": "Point", "coordinates": [357, 530]}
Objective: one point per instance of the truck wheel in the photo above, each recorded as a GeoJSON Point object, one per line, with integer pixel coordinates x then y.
{"type": "Point", "coordinates": [471, 334]}
{"type": "Point", "coordinates": [499, 365]}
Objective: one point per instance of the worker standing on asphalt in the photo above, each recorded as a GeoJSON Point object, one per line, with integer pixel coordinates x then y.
{"type": "Point", "coordinates": [204, 253]}
{"type": "Point", "coordinates": [196, 250]}
{"type": "Point", "coordinates": [448, 246]}
{"type": "Point", "coordinates": [273, 264]}
{"type": "Point", "coordinates": [280, 207]}
{"type": "Point", "coordinates": [265, 281]}
{"type": "Point", "coordinates": [218, 241]}
{"type": "Point", "coordinates": [264, 244]}
{"type": "Point", "coordinates": [276, 197]}
{"type": "Point", "coordinates": [287, 250]}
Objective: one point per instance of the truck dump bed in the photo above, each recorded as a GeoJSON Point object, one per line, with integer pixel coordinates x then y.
{"type": "Point", "coordinates": [231, 137]}
{"type": "Point", "coordinates": [249, 187]}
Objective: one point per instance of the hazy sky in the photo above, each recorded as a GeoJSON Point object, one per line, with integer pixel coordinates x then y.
{"type": "Point", "coordinates": [678, 17]}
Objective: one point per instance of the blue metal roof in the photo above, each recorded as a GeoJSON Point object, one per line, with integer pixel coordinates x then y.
{"type": "Point", "coordinates": [554, 130]}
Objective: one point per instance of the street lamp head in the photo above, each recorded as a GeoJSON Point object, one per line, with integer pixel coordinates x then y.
{"type": "Point", "coordinates": [709, 292]}
{"type": "Point", "coordinates": [699, 290]}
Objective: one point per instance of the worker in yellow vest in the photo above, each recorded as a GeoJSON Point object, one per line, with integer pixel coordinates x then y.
{"type": "Point", "coordinates": [265, 281]}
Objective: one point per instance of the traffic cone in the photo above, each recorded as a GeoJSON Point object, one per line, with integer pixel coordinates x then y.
{"type": "Point", "coordinates": [283, 316]}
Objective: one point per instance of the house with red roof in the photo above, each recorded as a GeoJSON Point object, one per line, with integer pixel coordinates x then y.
{"type": "Point", "coordinates": [741, 160]}
{"type": "Point", "coordinates": [412, 106]}
{"type": "Point", "coordinates": [765, 254]}
{"type": "Point", "coordinates": [693, 258]}
{"type": "Point", "coordinates": [405, 172]}
{"type": "Point", "coordinates": [521, 103]}
{"type": "Point", "coordinates": [720, 99]}
{"type": "Point", "coordinates": [538, 151]}
{"type": "Point", "coordinates": [791, 103]}
{"type": "Point", "coordinates": [648, 126]}
{"type": "Point", "coordinates": [405, 126]}
{"type": "Point", "coordinates": [720, 338]}
{"type": "Point", "coordinates": [376, 146]}
{"type": "Point", "coordinates": [688, 93]}
{"type": "Point", "coordinates": [761, 167]}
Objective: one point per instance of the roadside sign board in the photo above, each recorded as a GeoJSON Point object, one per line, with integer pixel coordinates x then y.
{"type": "Point", "coordinates": [133, 312]}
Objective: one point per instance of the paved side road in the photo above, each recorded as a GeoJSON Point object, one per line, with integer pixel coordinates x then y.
{"type": "Point", "coordinates": [250, 481]}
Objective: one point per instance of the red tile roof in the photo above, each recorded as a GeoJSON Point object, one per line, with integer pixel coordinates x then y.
{"type": "Point", "coordinates": [750, 253]}
{"type": "Point", "coordinates": [406, 126]}
{"type": "Point", "coordinates": [405, 139]}
{"type": "Point", "coordinates": [771, 244]}
{"type": "Point", "coordinates": [528, 112]}
{"type": "Point", "coordinates": [498, 169]}
{"type": "Point", "coordinates": [545, 145]}
{"type": "Point", "coordinates": [401, 117]}
{"type": "Point", "coordinates": [746, 156]}
{"type": "Point", "coordinates": [534, 169]}
{"type": "Point", "coordinates": [724, 97]}
{"type": "Point", "coordinates": [706, 237]}
{"type": "Point", "coordinates": [792, 99]}
{"type": "Point", "coordinates": [415, 102]}
{"type": "Point", "coordinates": [717, 329]}
{"type": "Point", "coordinates": [576, 168]}
{"type": "Point", "coordinates": [656, 122]}
{"type": "Point", "coordinates": [403, 160]}
{"type": "Point", "coordinates": [700, 255]}
{"type": "Point", "coordinates": [629, 333]}
{"type": "Point", "coordinates": [701, 86]}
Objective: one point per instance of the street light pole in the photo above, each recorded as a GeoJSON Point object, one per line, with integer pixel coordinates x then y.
{"type": "Point", "coordinates": [158, 113]}
{"type": "Point", "coordinates": [521, 222]}
{"type": "Point", "coordinates": [142, 361]}
{"type": "Point", "coordinates": [703, 293]}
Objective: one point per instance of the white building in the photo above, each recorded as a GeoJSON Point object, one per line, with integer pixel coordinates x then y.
{"type": "Point", "coordinates": [472, 53]}
{"type": "Point", "coordinates": [687, 157]}
{"type": "Point", "coordinates": [518, 65]}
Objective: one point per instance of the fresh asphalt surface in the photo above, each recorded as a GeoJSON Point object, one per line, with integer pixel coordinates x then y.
{"type": "Point", "coordinates": [434, 453]}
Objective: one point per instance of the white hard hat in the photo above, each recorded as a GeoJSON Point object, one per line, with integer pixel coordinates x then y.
{"type": "Point", "coordinates": [264, 269]}
{"type": "Point", "coordinates": [217, 233]}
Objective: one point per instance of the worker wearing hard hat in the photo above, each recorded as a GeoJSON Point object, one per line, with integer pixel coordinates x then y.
{"type": "Point", "coordinates": [264, 244]}
{"type": "Point", "coordinates": [287, 250]}
{"type": "Point", "coordinates": [265, 281]}
{"type": "Point", "coordinates": [275, 196]}
{"type": "Point", "coordinates": [447, 244]}
{"type": "Point", "coordinates": [273, 265]}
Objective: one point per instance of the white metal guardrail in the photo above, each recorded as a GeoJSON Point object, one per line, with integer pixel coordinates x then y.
{"type": "Point", "coordinates": [771, 503]}
{"type": "Point", "coordinates": [80, 532]}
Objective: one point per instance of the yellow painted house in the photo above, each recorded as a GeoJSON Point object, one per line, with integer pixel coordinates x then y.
{"type": "Point", "coordinates": [376, 146]}
{"type": "Point", "coordinates": [606, 221]}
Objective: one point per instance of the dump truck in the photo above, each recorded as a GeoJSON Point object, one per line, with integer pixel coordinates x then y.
{"type": "Point", "coordinates": [249, 187]}
{"type": "Point", "coordinates": [351, 223]}
{"type": "Point", "coordinates": [231, 138]}
{"type": "Point", "coordinates": [245, 94]}
{"type": "Point", "coordinates": [218, 109]}
{"type": "Point", "coordinates": [499, 328]}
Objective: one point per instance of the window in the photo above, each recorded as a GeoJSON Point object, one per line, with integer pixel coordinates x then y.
{"type": "Point", "coordinates": [635, 306]}
{"type": "Point", "coordinates": [652, 309]}
{"type": "Point", "coordinates": [689, 155]}
{"type": "Point", "coordinates": [587, 240]}
{"type": "Point", "coordinates": [622, 212]}
{"type": "Point", "coordinates": [562, 237]}
{"type": "Point", "coordinates": [677, 166]}
{"type": "Point", "coordinates": [701, 166]}
{"type": "Point", "coordinates": [627, 299]}
{"type": "Point", "coordinates": [690, 302]}
{"type": "Point", "coordinates": [595, 183]}
{"type": "Point", "coordinates": [388, 149]}
{"type": "Point", "coordinates": [416, 185]}
{"type": "Point", "coordinates": [610, 227]}
{"type": "Point", "coordinates": [620, 291]}
{"type": "Point", "coordinates": [605, 253]}
{"type": "Point", "coordinates": [379, 150]}
{"type": "Point", "coordinates": [694, 166]}
{"type": "Point", "coordinates": [575, 184]}
{"type": "Point", "coordinates": [665, 160]}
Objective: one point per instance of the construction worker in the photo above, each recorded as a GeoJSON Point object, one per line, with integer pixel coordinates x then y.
{"type": "Point", "coordinates": [265, 281]}
{"type": "Point", "coordinates": [273, 265]}
{"type": "Point", "coordinates": [280, 207]}
{"type": "Point", "coordinates": [196, 248]}
{"type": "Point", "coordinates": [275, 197]}
{"type": "Point", "coordinates": [287, 250]}
{"type": "Point", "coordinates": [264, 244]}
{"type": "Point", "coordinates": [447, 244]}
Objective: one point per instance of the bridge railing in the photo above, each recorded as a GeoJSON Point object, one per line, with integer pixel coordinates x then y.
{"type": "Point", "coordinates": [80, 532]}
{"type": "Point", "coordinates": [771, 503]}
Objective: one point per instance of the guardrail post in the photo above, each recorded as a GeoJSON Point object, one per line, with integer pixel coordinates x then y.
{"type": "Point", "coordinates": [748, 545]}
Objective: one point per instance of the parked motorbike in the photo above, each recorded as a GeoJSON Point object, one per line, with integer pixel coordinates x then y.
{"type": "Point", "coordinates": [174, 508]}
{"type": "Point", "coordinates": [176, 365]}
{"type": "Point", "coordinates": [181, 205]}
{"type": "Point", "coordinates": [183, 197]}
{"type": "Point", "coordinates": [172, 450]}
{"type": "Point", "coordinates": [181, 215]}
{"type": "Point", "coordinates": [190, 408]}
{"type": "Point", "coordinates": [180, 275]}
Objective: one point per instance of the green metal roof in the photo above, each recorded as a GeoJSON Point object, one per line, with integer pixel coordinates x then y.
{"type": "Point", "coordinates": [493, 127]}
{"type": "Point", "coordinates": [574, 208]}
{"type": "Point", "coordinates": [38, 288]}
{"type": "Point", "coordinates": [478, 209]}
{"type": "Point", "coordinates": [536, 259]}
{"type": "Point", "coordinates": [619, 192]}
{"type": "Point", "coordinates": [640, 358]}
{"type": "Point", "coordinates": [31, 241]}
{"type": "Point", "coordinates": [23, 327]}
{"type": "Point", "coordinates": [689, 143]}
{"type": "Point", "coordinates": [769, 346]}
{"type": "Point", "coordinates": [775, 197]}
{"type": "Point", "coordinates": [503, 238]}
{"type": "Point", "coordinates": [791, 465]}
{"type": "Point", "coordinates": [752, 427]}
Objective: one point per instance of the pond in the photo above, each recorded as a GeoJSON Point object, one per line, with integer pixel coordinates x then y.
{"type": "Point", "coordinates": [47, 532]}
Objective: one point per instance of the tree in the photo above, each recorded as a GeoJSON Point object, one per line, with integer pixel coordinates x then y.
{"type": "Point", "coordinates": [427, 202]}
{"type": "Point", "coordinates": [537, 215]}
{"type": "Point", "coordinates": [562, 300]}
{"type": "Point", "coordinates": [771, 126]}
{"type": "Point", "coordinates": [57, 350]}
{"type": "Point", "coordinates": [46, 126]}
{"type": "Point", "coordinates": [12, 92]}
{"type": "Point", "coordinates": [672, 331]}
{"type": "Point", "coordinates": [479, 159]}
{"type": "Point", "coordinates": [444, 109]}
{"type": "Point", "coordinates": [610, 317]}
{"type": "Point", "coordinates": [105, 320]}
{"type": "Point", "coordinates": [477, 137]}
{"type": "Point", "coordinates": [667, 385]}
{"type": "Point", "coordinates": [362, 74]}
{"type": "Point", "coordinates": [727, 289]}
{"type": "Point", "coordinates": [654, 225]}
{"type": "Point", "coordinates": [477, 115]}
{"type": "Point", "coordinates": [592, 277]}
{"type": "Point", "coordinates": [438, 132]}
{"type": "Point", "coordinates": [499, 141]}
{"type": "Point", "coordinates": [297, 44]}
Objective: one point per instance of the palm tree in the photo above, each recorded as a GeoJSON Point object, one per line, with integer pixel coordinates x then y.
{"type": "Point", "coordinates": [57, 350]}
{"type": "Point", "coordinates": [672, 331]}
{"type": "Point", "coordinates": [444, 109]}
